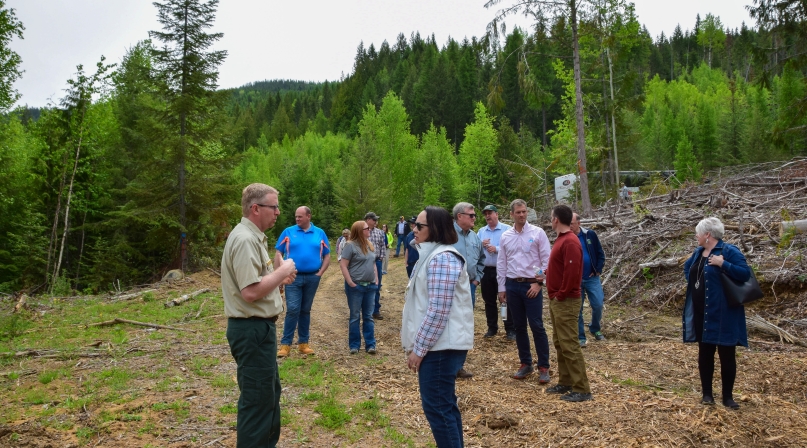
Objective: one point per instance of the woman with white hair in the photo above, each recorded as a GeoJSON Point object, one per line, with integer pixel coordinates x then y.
{"type": "Point", "coordinates": [708, 319]}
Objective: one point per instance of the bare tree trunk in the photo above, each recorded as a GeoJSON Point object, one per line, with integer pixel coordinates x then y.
{"type": "Point", "coordinates": [67, 205]}
{"type": "Point", "coordinates": [54, 233]}
{"type": "Point", "coordinates": [81, 247]}
{"type": "Point", "coordinates": [581, 133]}
{"type": "Point", "coordinates": [183, 154]}
{"type": "Point", "coordinates": [613, 120]}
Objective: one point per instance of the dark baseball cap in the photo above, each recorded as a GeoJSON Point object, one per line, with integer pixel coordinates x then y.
{"type": "Point", "coordinates": [412, 220]}
{"type": "Point", "coordinates": [490, 208]}
{"type": "Point", "coordinates": [371, 215]}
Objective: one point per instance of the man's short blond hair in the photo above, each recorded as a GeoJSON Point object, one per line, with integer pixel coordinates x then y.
{"type": "Point", "coordinates": [253, 194]}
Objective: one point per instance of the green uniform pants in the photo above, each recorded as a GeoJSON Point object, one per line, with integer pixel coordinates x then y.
{"type": "Point", "coordinates": [253, 344]}
{"type": "Point", "coordinates": [571, 365]}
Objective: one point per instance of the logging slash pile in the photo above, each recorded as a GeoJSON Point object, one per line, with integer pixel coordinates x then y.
{"type": "Point", "coordinates": [764, 210]}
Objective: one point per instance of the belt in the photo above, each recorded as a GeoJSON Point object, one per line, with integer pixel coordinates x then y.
{"type": "Point", "coordinates": [270, 319]}
{"type": "Point", "coordinates": [307, 273]}
{"type": "Point", "coordinates": [489, 268]}
{"type": "Point", "coordinates": [524, 279]}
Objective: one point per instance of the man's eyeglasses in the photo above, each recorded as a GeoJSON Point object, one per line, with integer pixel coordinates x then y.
{"type": "Point", "coordinates": [275, 207]}
{"type": "Point", "coordinates": [472, 215]}
{"type": "Point", "coordinates": [420, 225]}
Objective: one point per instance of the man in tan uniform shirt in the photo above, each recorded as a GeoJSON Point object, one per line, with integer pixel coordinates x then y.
{"type": "Point", "coordinates": [250, 287]}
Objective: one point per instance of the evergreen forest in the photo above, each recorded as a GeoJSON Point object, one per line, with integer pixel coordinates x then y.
{"type": "Point", "coordinates": [138, 168]}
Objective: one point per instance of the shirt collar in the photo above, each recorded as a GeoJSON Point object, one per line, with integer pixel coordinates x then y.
{"type": "Point", "coordinates": [459, 229]}
{"type": "Point", "coordinates": [252, 227]}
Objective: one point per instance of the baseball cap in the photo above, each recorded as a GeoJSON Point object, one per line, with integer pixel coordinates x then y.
{"type": "Point", "coordinates": [491, 208]}
{"type": "Point", "coordinates": [371, 215]}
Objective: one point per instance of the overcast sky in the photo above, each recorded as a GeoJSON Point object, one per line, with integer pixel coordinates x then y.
{"type": "Point", "coordinates": [312, 40]}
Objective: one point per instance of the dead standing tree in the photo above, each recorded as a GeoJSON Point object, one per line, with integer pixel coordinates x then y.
{"type": "Point", "coordinates": [571, 9]}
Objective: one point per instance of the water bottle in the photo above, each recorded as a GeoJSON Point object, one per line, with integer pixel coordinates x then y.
{"type": "Point", "coordinates": [503, 311]}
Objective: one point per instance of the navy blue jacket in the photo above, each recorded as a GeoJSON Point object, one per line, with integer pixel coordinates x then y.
{"type": "Point", "coordinates": [722, 324]}
{"type": "Point", "coordinates": [594, 249]}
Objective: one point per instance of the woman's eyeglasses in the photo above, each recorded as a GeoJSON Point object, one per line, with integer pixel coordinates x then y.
{"type": "Point", "coordinates": [420, 225]}
{"type": "Point", "coordinates": [366, 228]}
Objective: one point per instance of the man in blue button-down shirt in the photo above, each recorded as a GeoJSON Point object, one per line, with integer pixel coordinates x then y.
{"type": "Point", "coordinates": [490, 236]}
{"type": "Point", "coordinates": [470, 246]}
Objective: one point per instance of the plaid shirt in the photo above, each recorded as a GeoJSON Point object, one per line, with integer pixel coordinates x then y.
{"type": "Point", "coordinates": [379, 240]}
{"type": "Point", "coordinates": [443, 272]}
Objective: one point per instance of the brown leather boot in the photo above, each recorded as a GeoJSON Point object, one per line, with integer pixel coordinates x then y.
{"type": "Point", "coordinates": [283, 351]}
{"type": "Point", "coordinates": [305, 349]}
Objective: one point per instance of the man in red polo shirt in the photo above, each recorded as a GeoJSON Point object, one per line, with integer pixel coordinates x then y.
{"type": "Point", "coordinates": [563, 277]}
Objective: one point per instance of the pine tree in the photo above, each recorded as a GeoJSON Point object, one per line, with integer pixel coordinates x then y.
{"type": "Point", "coordinates": [188, 71]}
{"type": "Point", "coordinates": [686, 166]}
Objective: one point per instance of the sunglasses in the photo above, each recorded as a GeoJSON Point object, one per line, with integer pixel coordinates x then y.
{"type": "Point", "coordinates": [420, 225]}
{"type": "Point", "coordinates": [471, 215]}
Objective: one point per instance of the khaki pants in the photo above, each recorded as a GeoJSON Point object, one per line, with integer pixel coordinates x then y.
{"type": "Point", "coordinates": [571, 365]}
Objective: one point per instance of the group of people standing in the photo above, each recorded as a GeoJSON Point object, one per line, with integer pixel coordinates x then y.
{"type": "Point", "coordinates": [446, 260]}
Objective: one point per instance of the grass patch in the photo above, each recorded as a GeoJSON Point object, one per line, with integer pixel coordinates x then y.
{"type": "Point", "coordinates": [117, 379]}
{"type": "Point", "coordinates": [201, 365]}
{"type": "Point", "coordinates": [333, 414]}
{"type": "Point", "coordinates": [304, 373]}
{"type": "Point", "coordinates": [49, 375]}
{"type": "Point", "coordinates": [395, 436]}
{"type": "Point", "coordinates": [232, 408]}
{"type": "Point", "coordinates": [223, 382]}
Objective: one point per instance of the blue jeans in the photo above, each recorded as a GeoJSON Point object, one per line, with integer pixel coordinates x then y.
{"type": "Point", "coordinates": [437, 378]}
{"type": "Point", "coordinates": [401, 239]}
{"type": "Point", "coordinates": [592, 288]}
{"type": "Point", "coordinates": [473, 295]}
{"type": "Point", "coordinates": [528, 311]}
{"type": "Point", "coordinates": [360, 301]}
{"type": "Point", "coordinates": [377, 309]}
{"type": "Point", "coordinates": [299, 299]}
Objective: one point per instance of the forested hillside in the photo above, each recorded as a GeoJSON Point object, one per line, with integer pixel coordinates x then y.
{"type": "Point", "coordinates": [138, 168]}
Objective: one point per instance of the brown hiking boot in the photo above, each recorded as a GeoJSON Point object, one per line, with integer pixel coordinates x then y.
{"type": "Point", "coordinates": [283, 351]}
{"type": "Point", "coordinates": [305, 349]}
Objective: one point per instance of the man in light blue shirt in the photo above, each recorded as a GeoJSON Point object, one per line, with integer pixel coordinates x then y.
{"type": "Point", "coordinates": [470, 247]}
{"type": "Point", "coordinates": [490, 235]}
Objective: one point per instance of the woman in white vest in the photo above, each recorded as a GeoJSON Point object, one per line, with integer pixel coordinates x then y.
{"type": "Point", "coordinates": [438, 323]}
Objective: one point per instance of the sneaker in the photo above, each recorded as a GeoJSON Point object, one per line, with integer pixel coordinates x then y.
{"type": "Point", "coordinates": [543, 378]}
{"type": "Point", "coordinates": [305, 349]}
{"type": "Point", "coordinates": [576, 397]}
{"type": "Point", "coordinates": [599, 336]}
{"type": "Point", "coordinates": [489, 334]}
{"type": "Point", "coordinates": [383, 272]}
{"type": "Point", "coordinates": [353, 351]}
{"type": "Point", "coordinates": [511, 335]}
{"type": "Point", "coordinates": [378, 317]}
{"type": "Point", "coordinates": [464, 374]}
{"type": "Point", "coordinates": [708, 400]}
{"type": "Point", "coordinates": [558, 389]}
{"type": "Point", "coordinates": [523, 371]}
{"type": "Point", "coordinates": [582, 343]}
{"type": "Point", "coordinates": [371, 350]}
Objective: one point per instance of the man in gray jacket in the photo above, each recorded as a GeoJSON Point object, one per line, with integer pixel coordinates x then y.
{"type": "Point", "coordinates": [470, 247]}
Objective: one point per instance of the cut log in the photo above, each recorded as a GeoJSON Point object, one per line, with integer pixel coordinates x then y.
{"type": "Point", "coordinates": [185, 298]}
{"type": "Point", "coordinates": [800, 226]}
{"type": "Point", "coordinates": [130, 296]}
{"type": "Point", "coordinates": [20, 304]}
{"type": "Point", "coordinates": [664, 263]}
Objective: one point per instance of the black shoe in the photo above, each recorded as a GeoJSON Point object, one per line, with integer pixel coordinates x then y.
{"type": "Point", "coordinates": [576, 397]}
{"type": "Point", "coordinates": [731, 404]}
{"type": "Point", "coordinates": [524, 371]}
{"type": "Point", "coordinates": [490, 334]}
{"type": "Point", "coordinates": [511, 335]}
{"type": "Point", "coordinates": [558, 389]}
{"type": "Point", "coordinates": [378, 317]}
{"type": "Point", "coordinates": [464, 374]}
{"type": "Point", "coordinates": [708, 400]}
{"type": "Point", "coordinates": [371, 350]}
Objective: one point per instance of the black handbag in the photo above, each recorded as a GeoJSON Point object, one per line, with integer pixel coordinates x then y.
{"type": "Point", "coordinates": [740, 293]}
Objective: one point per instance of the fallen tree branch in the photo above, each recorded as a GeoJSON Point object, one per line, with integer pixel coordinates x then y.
{"type": "Point", "coordinates": [663, 263]}
{"type": "Point", "coordinates": [758, 323]}
{"type": "Point", "coordinates": [130, 296]}
{"type": "Point", "coordinates": [118, 320]}
{"type": "Point", "coordinates": [20, 303]}
{"type": "Point", "coordinates": [185, 298]}
{"type": "Point", "coordinates": [214, 271]}
{"type": "Point", "coordinates": [51, 354]}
